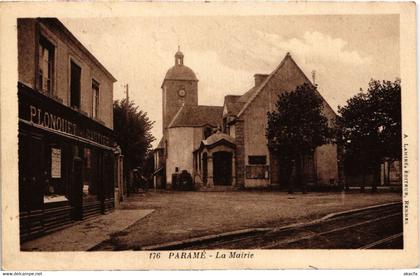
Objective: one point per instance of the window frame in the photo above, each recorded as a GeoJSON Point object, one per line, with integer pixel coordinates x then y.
{"type": "Point", "coordinates": [46, 43]}
{"type": "Point", "coordinates": [71, 62]}
{"type": "Point", "coordinates": [95, 98]}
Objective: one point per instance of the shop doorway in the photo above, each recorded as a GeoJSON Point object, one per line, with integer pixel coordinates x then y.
{"type": "Point", "coordinates": [32, 172]}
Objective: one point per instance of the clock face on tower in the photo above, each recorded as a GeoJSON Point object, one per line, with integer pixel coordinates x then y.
{"type": "Point", "coordinates": [181, 93]}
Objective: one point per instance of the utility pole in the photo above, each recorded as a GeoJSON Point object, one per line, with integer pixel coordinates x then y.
{"type": "Point", "coordinates": [127, 179]}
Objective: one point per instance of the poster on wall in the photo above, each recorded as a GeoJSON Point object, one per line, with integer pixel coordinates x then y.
{"type": "Point", "coordinates": [55, 163]}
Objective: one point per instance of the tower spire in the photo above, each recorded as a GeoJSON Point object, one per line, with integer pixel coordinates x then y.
{"type": "Point", "coordinates": [179, 57]}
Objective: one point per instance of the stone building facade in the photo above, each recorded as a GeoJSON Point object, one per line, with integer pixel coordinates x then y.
{"type": "Point", "coordinates": [225, 146]}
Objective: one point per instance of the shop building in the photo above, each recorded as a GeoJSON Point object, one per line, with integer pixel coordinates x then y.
{"type": "Point", "coordinates": [68, 160]}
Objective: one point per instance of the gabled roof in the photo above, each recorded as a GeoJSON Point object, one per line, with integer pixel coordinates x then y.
{"type": "Point", "coordinates": [251, 96]}
{"type": "Point", "coordinates": [232, 104]}
{"type": "Point", "coordinates": [197, 116]}
{"type": "Point", "coordinates": [236, 105]}
{"type": "Point", "coordinates": [245, 97]}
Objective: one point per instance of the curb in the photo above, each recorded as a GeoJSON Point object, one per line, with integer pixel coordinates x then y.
{"type": "Point", "coordinates": [188, 242]}
{"type": "Point", "coordinates": [192, 241]}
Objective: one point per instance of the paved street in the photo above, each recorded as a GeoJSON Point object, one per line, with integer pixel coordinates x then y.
{"type": "Point", "coordinates": [183, 215]}
{"type": "Point", "coordinates": [86, 234]}
{"type": "Point", "coordinates": [159, 217]}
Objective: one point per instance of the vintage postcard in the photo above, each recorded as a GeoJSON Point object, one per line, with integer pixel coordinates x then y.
{"type": "Point", "coordinates": [200, 135]}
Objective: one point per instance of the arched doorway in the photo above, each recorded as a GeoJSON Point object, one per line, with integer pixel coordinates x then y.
{"type": "Point", "coordinates": [222, 168]}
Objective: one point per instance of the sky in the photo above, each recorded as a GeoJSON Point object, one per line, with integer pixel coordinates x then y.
{"type": "Point", "coordinates": [225, 52]}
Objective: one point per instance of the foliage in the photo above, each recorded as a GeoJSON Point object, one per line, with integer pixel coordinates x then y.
{"type": "Point", "coordinates": [297, 126]}
{"type": "Point", "coordinates": [370, 125]}
{"type": "Point", "coordinates": [133, 134]}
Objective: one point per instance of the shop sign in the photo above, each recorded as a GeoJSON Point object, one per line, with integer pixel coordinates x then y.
{"type": "Point", "coordinates": [50, 120]}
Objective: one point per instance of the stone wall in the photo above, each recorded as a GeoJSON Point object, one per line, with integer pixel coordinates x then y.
{"type": "Point", "coordinates": [240, 154]}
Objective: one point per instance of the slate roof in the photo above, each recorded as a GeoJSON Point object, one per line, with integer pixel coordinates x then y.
{"type": "Point", "coordinates": [234, 103]}
{"type": "Point", "coordinates": [196, 116]}
{"type": "Point", "coordinates": [245, 97]}
{"type": "Point", "coordinates": [160, 145]}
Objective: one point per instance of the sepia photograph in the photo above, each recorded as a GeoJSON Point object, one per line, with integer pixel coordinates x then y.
{"type": "Point", "coordinates": [211, 137]}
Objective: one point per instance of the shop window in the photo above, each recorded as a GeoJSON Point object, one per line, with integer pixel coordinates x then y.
{"type": "Point", "coordinates": [89, 188]}
{"type": "Point", "coordinates": [257, 159]}
{"type": "Point", "coordinates": [55, 187]}
{"type": "Point", "coordinates": [75, 74]}
{"type": "Point", "coordinates": [45, 66]}
{"type": "Point", "coordinates": [95, 101]}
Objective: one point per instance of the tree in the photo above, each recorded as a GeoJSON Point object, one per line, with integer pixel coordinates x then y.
{"type": "Point", "coordinates": [132, 129]}
{"type": "Point", "coordinates": [370, 125]}
{"type": "Point", "coordinates": [295, 128]}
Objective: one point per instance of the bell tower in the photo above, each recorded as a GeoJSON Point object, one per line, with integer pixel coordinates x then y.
{"type": "Point", "coordinates": [179, 88]}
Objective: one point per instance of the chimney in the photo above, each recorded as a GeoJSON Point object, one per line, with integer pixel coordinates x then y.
{"type": "Point", "coordinates": [259, 78]}
{"type": "Point", "coordinates": [314, 77]}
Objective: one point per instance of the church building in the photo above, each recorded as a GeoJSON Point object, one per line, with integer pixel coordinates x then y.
{"type": "Point", "coordinates": [224, 147]}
